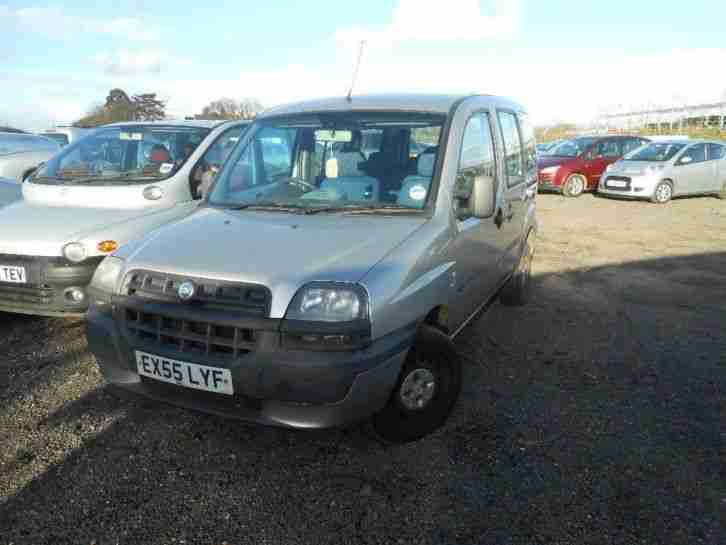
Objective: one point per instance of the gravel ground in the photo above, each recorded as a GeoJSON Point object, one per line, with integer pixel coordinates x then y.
{"type": "Point", "coordinates": [593, 415]}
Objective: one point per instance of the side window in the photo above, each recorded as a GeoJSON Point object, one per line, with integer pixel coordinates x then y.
{"type": "Point", "coordinates": [276, 150]}
{"type": "Point", "coordinates": [211, 162]}
{"type": "Point", "coordinates": [696, 153]}
{"type": "Point", "coordinates": [477, 159]}
{"type": "Point", "coordinates": [716, 152]}
{"type": "Point", "coordinates": [608, 149]}
{"type": "Point", "coordinates": [513, 164]}
{"type": "Point", "coordinates": [422, 139]}
{"type": "Point", "coordinates": [530, 147]}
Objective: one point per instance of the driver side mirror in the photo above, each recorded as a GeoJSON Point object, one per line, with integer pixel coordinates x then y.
{"type": "Point", "coordinates": [685, 160]}
{"type": "Point", "coordinates": [483, 196]}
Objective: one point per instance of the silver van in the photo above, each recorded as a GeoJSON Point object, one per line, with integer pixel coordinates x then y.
{"type": "Point", "coordinates": [665, 169]}
{"type": "Point", "coordinates": [321, 283]}
{"type": "Point", "coordinates": [92, 197]}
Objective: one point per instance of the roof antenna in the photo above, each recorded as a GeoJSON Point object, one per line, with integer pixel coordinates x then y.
{"type": "Point", "coordinates": [355, 72]}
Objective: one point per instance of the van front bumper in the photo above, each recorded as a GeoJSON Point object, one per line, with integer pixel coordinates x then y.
{"type": "Point", "coordinates": [272, 386]}
{"type": "Point", "coordinates": [46, 290]}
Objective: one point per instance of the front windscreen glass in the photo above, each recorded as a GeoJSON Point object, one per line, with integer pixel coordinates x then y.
{"type": "Point", "coordinates": [122, 155]}
{"type": "Point", "coordinates": [572, 148]}
{"type": "Point", "coordinates": [333, 162]}
{"type": "Point", "coordinates": [656, 152]}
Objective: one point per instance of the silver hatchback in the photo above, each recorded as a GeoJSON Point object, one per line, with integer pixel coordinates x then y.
{"type": "Point", "coordinates": [660, 171]}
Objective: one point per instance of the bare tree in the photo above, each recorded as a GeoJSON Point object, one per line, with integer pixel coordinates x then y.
{"type": "Point", "coordinates": [148, 108]}
{"type": "Point", "coordinates": [227, 108]}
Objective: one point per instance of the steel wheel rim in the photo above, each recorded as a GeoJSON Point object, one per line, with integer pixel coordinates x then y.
{"type": "Point", "coordinates": [663, 193]}
{"type": "Point", "coordinates": [417, 389]}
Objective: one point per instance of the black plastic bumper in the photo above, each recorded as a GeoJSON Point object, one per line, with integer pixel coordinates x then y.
{"type": "Point", "coordinates": [272, 385]}
{"type": "Point", "coordinates": [48, 278]}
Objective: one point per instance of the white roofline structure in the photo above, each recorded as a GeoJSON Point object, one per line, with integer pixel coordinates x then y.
{"type": "Point", "coordinates": [676, 117]}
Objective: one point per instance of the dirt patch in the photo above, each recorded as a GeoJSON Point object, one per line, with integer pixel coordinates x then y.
{"type": "Point", "coordinates": [594, 415]}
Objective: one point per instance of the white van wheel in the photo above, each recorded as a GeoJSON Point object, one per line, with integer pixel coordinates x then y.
{"type": "Point", "coordinates": [426, 392]}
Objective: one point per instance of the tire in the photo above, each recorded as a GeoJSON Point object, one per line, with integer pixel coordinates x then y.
{"type": "Point", "coordinates": [432, 360]}
{"type": "Point", "coordinates": [518, 290]}
{"type": "Point", "coordinates": [722, 194]}
{"type": "Point", "coordinates": [574, 186]}
{"type": "Point", "coordinates": [663, 193]}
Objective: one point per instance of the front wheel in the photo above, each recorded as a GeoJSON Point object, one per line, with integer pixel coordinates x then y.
{"type": "Point", "coordinates": [426, 392]}
{"type": "Point", "coordinates": [722, 194]}
{"type": "Point", "coordinates": [574, 186]}
{"type": "Point", "coordinates": [663, 193]}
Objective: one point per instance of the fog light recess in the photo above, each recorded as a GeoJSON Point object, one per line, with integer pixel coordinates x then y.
{"type": "Point", "coordinates": [74, 295]}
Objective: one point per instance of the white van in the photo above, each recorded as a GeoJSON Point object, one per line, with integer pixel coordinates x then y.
{"type": "Point", "coordinates": [96, 195]}
{"type": "Point", "coordinates": [64, 135]}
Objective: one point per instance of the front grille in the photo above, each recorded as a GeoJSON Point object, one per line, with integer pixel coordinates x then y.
{"type": "Point", "coordinates": [187, 337]}
{"type": "Point", "coordinates": [34, 295]}
{"type": "Point", "coordinates": [250, 300]}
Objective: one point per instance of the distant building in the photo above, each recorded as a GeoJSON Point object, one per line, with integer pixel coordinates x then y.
{"type": "Point", "coordinates": [667, 119]}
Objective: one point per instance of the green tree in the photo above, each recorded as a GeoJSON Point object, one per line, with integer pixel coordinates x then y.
{"type": "Point", "coordinates": [120, 107]}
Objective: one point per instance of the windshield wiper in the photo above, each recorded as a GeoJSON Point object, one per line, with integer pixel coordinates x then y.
{"type": "Point", "coordinates": [363, 209]}
{"type": "Point", "coordinates": [268, 206]}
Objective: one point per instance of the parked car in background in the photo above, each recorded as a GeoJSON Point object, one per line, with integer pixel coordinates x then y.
{"type": "Point", "coordinates": [544, 148]}
{"type": "Point", "coordinates": [575, 166]}
{"type": "Point", "coordinates": [316, 296]}
{"type": "Point", "coordinates": [64, 135]}
{"type": "Point", "coordinates": [94, 196]}
{"type": "Point", "coordinates": [10, 191]}
{"type": "Point", "coordinates": [21, 153]}
{"type": "Point", "coordinates": [12, 129]}
{"type": "Point", "coordinates": [663, 170]}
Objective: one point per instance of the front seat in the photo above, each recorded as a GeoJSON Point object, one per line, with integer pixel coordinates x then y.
{"type": "Point", "coordinates": [415, 188]}
{"type": "Point", "coordinates": [349, 188]}
{"type": "Point", "coordinates": [350, 155]}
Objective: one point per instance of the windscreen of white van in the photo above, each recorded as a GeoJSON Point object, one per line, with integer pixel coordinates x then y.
{"type": "Point", "coordinates": [123, 155]}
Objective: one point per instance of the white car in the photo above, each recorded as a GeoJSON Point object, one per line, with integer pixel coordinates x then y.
{"type": "Point", "coordinates": [96, 195]}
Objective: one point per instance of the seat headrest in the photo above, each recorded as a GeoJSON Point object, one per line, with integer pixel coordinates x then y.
{"type": "Point", "coordinates": [331, 168]}
{"type": "Point", "coordinates": [425, 162]}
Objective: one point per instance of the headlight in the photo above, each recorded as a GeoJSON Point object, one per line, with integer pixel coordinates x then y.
{"type": "Point", "coordinates": [550, 170]}
{"type": "Point", "coordinates": [327, 316]}
{"type": "Point", "coordinates": [106, 277]}
{"type": "Point", "coordinates": [341, 303]}
{"type": "Point", "coordinates": [75, 252]}
{"type": "Point", "coordinates": [653, 169]}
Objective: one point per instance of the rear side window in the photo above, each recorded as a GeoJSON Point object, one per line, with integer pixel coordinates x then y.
{"type": "Point", "coordinates": [530, 147]}
{"type": "Point", "coordinates": [477, 159]}
{"type": "Point", "coordinates": [631, 144]}
{"type": "Point", "coordinates": [697, 154]}
{"type": "Point", "coordinates": [716, 151]}
{"type": "Point", "coordinates": [513, 164]}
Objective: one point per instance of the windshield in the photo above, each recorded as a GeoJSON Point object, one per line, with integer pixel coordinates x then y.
{"type": "Point", "coordinates": [19, 143]}
{"type": "Point", "coordinates": [58, 137]}
{"type": "Point", "coordinates": [656, 152]}
{"type": "Point", "coordinates": [115, 155]}
{"type": "Point", "coordinates": [333, 162]}
{"type": "Point", "coordinates": [572, 148]}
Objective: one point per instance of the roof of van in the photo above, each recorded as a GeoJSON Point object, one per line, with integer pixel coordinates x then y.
{"type": "Point", "coordinates": [203, 123]}
{"type": "Point", "coordinates": [439, 104]}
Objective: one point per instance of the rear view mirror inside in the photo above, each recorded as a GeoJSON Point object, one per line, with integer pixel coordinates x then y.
{"type": "Point", "coordinates": [333, 136]}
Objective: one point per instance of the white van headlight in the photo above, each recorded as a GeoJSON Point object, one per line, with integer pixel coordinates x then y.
{"type": "Point", "coordinates": [106, 277]}
{"type": "Point", "coordinates": [333, 303]}
{"type": "Point", "coordinates": [75, 252]}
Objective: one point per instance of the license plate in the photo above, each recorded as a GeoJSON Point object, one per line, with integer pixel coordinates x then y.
{"type": "Point", "coordinates": [16, 275]}
{"type": "Point", "coordinates": [181, 373]}
{"type": "Point", "coordinates": [617, 183]}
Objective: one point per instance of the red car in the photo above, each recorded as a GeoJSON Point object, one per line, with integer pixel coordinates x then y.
{"type": "Point", "coordinates": [575, 166]}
